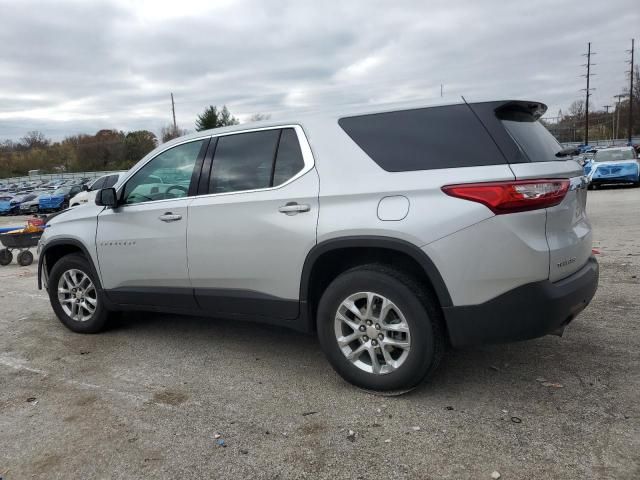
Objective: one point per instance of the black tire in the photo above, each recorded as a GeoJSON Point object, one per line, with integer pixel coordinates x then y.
{"type": "Point", "coordinates": [5, 257]}
{"type": "Point", "coordinates": [418, 306]}
{"type": "Point", "coordinates": [99, 319]}
{"type": "Point", "coordinates": [64, 206]}
{"type": "Point", "coordinates": [25, 258]}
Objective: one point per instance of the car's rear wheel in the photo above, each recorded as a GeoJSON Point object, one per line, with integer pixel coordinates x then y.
{"type": "Point", "coordinates": [380, 329]}
{"type": "Point", "coordinates": [75, 295]}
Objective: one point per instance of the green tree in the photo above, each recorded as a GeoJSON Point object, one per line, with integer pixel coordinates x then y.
{"type": "Point", "coordinates": [214, 118]}
{"type": "Point", "coordinates": [137, 144]}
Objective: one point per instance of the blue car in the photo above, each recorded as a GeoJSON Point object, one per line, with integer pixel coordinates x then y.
{"type": "Point", "coordinates": [5, 204]}
{"type": "Point", "coordinates": [58, 200]}
{"type": "Point", "coordinates": [613, 166]}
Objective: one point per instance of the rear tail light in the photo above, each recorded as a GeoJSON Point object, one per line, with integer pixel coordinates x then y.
{"type": "Point", "coordinates": [512, 196]}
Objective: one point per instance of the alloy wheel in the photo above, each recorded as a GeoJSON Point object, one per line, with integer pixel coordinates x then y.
{"type": "Point", "coordinates": [77, 295]}
{"type": "Point", "coordinates": [372, 333]}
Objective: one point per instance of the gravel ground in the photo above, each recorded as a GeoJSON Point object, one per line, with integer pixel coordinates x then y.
{"type": "Point", "coordinates": [147, 398]}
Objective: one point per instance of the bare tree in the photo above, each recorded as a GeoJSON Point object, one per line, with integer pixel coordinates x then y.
{"type": "Point", "coordinates": [34, 139]}
{"type": "Point", "coordinates": [576, 109]}
{"type": "Point", "coordinates": [259, 117]}
{"type": "Point", "coordinates": [170, 132]}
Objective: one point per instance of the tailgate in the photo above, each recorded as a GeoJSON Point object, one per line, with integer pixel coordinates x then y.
{"type": "Point", "coordinates": [568, 229]}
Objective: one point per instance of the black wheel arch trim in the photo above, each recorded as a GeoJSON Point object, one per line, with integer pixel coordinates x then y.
{"type": "Point", "coordinates": [71, 242]}
{"type": "Point", "coordinates": [373, 241]}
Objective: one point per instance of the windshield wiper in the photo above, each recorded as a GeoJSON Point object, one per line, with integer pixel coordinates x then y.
{"type": "Point", "coordinates": [568, 152]}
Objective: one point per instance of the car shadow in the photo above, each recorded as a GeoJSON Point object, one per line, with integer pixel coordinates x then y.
{"type": "Point", "coordinates": [505, 367]}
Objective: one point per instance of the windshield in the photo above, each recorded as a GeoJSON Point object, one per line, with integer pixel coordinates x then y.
{"type": "Point", "coordinates": [614, 155]}
{"type": "Point", "coordinates": [61, 191]}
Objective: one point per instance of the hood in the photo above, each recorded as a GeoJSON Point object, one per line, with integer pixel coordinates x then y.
{"type": "Point", "coordinates": [73, 214]}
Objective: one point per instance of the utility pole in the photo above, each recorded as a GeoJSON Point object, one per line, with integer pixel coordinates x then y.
{"type": "Point", "coordinates": [173, 110]}
{"type": "Point", "coordinates": [630, 130]}
{"type": "Point", "coordinates": [441, 90]}
{"type": "Point", "coordinates": [588, 92]}
{"type": "Point", "coordinates": [606, 108]}
{"type": "Point", "coordinates": [619, 96]}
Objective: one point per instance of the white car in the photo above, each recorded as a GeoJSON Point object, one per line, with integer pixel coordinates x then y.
{"type": "Point", "coordinates": [88, 194]}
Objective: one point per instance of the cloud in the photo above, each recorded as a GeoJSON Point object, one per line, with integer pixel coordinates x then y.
{"type": "Point", "coordinates": [71, 66]}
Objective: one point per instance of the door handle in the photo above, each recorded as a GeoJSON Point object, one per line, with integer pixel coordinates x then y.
{"type": "Point", "coordinates": [170, 217]}
{"type": "Point", "coordinates": [293, 208]}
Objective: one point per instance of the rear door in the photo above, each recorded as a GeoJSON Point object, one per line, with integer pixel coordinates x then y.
{"type": "Point", "coordinates": [568, 230]}
{"type": "Point", "coordinates": [250, 231]}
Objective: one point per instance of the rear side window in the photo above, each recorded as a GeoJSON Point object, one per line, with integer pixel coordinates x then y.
{"type": "Point", "coordinates": [535, 141]}
{"type": "Point", "coordinates": [423, 139]}
{"type": "Point", "coordinates": [255, 160]}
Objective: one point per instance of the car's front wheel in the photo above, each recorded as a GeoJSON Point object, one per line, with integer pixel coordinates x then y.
{"type": "Point", "coordinates": [75, 295]}
{"type": "Point", "coordinates": [380, 329]}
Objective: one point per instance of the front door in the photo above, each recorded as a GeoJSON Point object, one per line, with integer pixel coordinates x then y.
{"type": "Point", "coordinates": [142, 245]}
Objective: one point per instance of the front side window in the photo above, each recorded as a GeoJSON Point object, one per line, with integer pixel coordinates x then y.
{"type": "Point", "coordinates": [255, 160]}
{"type": "Point", "coordinates": [167, 176]}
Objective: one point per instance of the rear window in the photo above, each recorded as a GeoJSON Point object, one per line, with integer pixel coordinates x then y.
{"type": "Point", "coordinates": [535, 141]}
{"type": "Point", "coordinates": [614, 155]}
{"type": "Point", "coordinates": [423, 139]}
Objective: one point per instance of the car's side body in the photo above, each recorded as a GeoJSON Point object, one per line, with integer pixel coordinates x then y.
{"type": "Point", "coordinates": [268, 253]}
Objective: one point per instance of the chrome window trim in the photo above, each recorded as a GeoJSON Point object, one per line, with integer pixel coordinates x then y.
{"type": "Point", "coordinates": [303, 141]}
{"type": "Point", "coordinates": [305, 148]}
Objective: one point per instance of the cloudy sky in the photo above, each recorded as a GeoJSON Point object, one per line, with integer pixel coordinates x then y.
{"type": "Point", "coordinates": [78, 66]}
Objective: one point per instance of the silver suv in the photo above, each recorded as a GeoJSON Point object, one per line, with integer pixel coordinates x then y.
{"type": "Point", "coordinates": [391, 234]}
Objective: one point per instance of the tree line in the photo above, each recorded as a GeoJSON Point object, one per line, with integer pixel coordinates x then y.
{"type": "Point", "coordinates": [604, 123]}
{"type": "Point", "coordinates": [105, 150]}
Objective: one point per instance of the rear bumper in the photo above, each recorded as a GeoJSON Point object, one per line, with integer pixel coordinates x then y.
{"type": "Point", "coordinates": [526, 312]}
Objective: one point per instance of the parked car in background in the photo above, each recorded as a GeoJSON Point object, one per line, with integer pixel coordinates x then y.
{"type": "Point", "coordinates": [31, 205]}
{"type": "Point", "coordinates": [58, 200]}
{"type": "Point", "coordinates": [20, 200]}
{"type": "Point", "coordinates": [88, 193]}
{"type": "Point", "coordinates": [380, 230]}
{"type": "Point", "coordinates": [5, 204]}
{"type": "Point", "coordinates": [613, 165]}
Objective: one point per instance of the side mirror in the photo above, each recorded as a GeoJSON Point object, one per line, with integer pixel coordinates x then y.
{"type": "Point", "coordinates": [85, 188]}
{"type": "Point", "coordinates": [107, 198]}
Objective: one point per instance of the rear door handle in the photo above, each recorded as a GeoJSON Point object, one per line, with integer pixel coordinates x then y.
{"type": "Point", "coordinates": [293, 208]}
{"type": "Point", "coordinates": [170, 217]}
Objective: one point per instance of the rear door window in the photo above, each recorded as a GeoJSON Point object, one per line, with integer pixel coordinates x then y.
{"type": "Point", "coordinates": [289, 160]}
{"type": "Point", "coordinates": [423, 139]}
